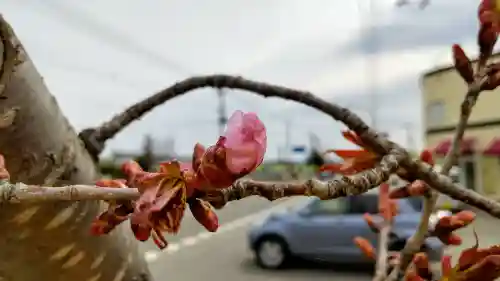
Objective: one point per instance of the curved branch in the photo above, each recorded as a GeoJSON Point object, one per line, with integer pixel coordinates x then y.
{"type": "Point", "coordinates": [95, 138]}
{"type": "Point", "coordinates": [370, 137]}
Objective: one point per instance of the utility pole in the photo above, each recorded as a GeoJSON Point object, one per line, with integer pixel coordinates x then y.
{"type": "Point", "coordinates": [222, 120]}
{"type": "Point", "coordinates": [372, 67]}
{"type": "Point", "coordinates": [409, 136]}
{"type": "Point", "coordinates": [288, 137]}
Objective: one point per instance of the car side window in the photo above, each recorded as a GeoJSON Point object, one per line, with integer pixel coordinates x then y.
{"type": "Point", "coordinates": [329, 207]}
{"type": "Point", "coordinates": [361, 204]}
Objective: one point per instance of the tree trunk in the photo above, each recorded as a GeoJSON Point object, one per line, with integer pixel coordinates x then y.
{"type": "Point", "coordinates": [51, 241]}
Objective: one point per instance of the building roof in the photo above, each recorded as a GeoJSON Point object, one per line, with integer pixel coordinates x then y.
{"type": "Point", "coordinates": [444, 68]}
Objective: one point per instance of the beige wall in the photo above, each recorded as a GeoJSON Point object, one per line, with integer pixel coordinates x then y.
{"type": "Point", "coordinates": [447, 86]}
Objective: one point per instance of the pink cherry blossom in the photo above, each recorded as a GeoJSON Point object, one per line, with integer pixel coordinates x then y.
{"type": "Point", "coordinates": [245, 142]}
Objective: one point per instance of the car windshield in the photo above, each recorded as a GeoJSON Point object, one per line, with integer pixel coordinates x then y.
{"type": "Point", "coordinates": [368, 203]}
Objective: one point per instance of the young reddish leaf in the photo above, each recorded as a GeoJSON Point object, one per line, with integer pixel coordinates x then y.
{"type": "Point", "coordinates": [331, 167]}
{"type": "Point", "coordinates": [355, 161]}
{"type": "Point", "coordinates": [366, 247]}
{"type": "Point", "coordinates": [116, 213]}
{"type": "Point", "coordinates": [371, 222]}
{"type": "Point", "coordinates": [160, 208]}
{"type": "Point", "coordinates": [109, 220]}
{"type": "Point", "coordinates": [427, 157]}
{"type": "Point", "coordinates": [353, 138]}
{"type": "Point", "coordinates": [470, 256]}
{"type": "Point", "coordinates": [474, 264]}
{"type": "Point", "coordinates": [446, 267]}
{"type": "Point", "coordinates": [487, 269]}
{"type": "Point", "coordinates": [204, 214]}
{"type": "Point", "coordinates": [462, 64]}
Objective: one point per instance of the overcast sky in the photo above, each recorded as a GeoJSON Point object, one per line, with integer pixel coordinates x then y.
{"type": "Point", "coordinates": [99, 56]}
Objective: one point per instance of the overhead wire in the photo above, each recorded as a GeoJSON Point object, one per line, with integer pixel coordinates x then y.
{"type": "Point", "coordinates": [84, 22]}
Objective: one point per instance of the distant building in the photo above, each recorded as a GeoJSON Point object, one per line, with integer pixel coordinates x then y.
{"type": "Point", "coordinates": [443, 91]}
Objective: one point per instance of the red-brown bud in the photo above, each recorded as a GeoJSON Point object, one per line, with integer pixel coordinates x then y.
{"type": "Point", "coordinates": [366, 247]}
{"type": "Point", "coordinates": [427, 157]}
{"type": "Point", "coordinates": [371, 222]}
{"type": "Point", "coordinates": [462, 64]}
{"type": "Point", "coordinates": [486, 39]}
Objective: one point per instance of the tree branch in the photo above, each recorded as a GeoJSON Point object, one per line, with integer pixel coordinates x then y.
{"type": "Point", "coordinates": [95, 138]}
{"type": "Point", "coordinates": [413, 245]}
{"type": "Point", "coordinates": [350, 185]}
{"type": "Point", "coordinates": [370, 137]}
{"type": "Point", "coordinates": [383, 251]}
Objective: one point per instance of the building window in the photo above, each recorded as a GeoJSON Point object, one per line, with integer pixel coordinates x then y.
{"type": "Point", "coordinates": [435, 113]}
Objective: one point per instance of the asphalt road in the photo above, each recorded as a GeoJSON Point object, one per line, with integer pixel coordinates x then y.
{"type": "Point", "coordinates": [194, 254]}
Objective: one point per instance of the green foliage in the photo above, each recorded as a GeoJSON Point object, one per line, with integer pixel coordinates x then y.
{"type": "Point", "coordinates": [108, 168]}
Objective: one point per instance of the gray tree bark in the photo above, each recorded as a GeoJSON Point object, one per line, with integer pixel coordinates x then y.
{"type": "Point", "coordinates": [51, 241]}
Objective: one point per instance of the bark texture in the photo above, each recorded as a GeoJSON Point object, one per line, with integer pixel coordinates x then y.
{"type": "Point", "coordinates": [51, 241]}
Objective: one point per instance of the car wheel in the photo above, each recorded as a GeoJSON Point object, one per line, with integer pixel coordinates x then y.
{"type": "Point", "coordinates": [271, 253]}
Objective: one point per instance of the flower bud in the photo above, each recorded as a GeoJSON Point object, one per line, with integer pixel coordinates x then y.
{"type": "Point", "coordinates": [462, 64]}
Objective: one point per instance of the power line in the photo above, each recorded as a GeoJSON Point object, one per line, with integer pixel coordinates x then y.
{"type": "Point", "coordinates": [116, 78]}
{"type": "Point", "coordinates": [94, 28]}
{"type": "Point", "coordinates": [120, 41]}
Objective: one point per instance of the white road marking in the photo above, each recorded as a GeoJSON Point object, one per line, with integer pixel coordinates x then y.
{"type": "Point", "coordinates": [172, 248]}
{"type": "Point", "coordinates": [205, 235]}
{"type": "Point", "coordinates": [189, 241]}
{"type": "Point", "coordinates": [154, 255]}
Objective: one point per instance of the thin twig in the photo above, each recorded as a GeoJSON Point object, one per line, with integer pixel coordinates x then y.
{"type": "Point", "coordinates": [383, 251]}
{"type": "Point", "coordinates": [414, 243]}
{"type": "Point", "coordinates": [348, 185]}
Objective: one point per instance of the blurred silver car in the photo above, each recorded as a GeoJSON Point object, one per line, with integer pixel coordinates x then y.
{"type": "Point", "coordinates": [324, 231]}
